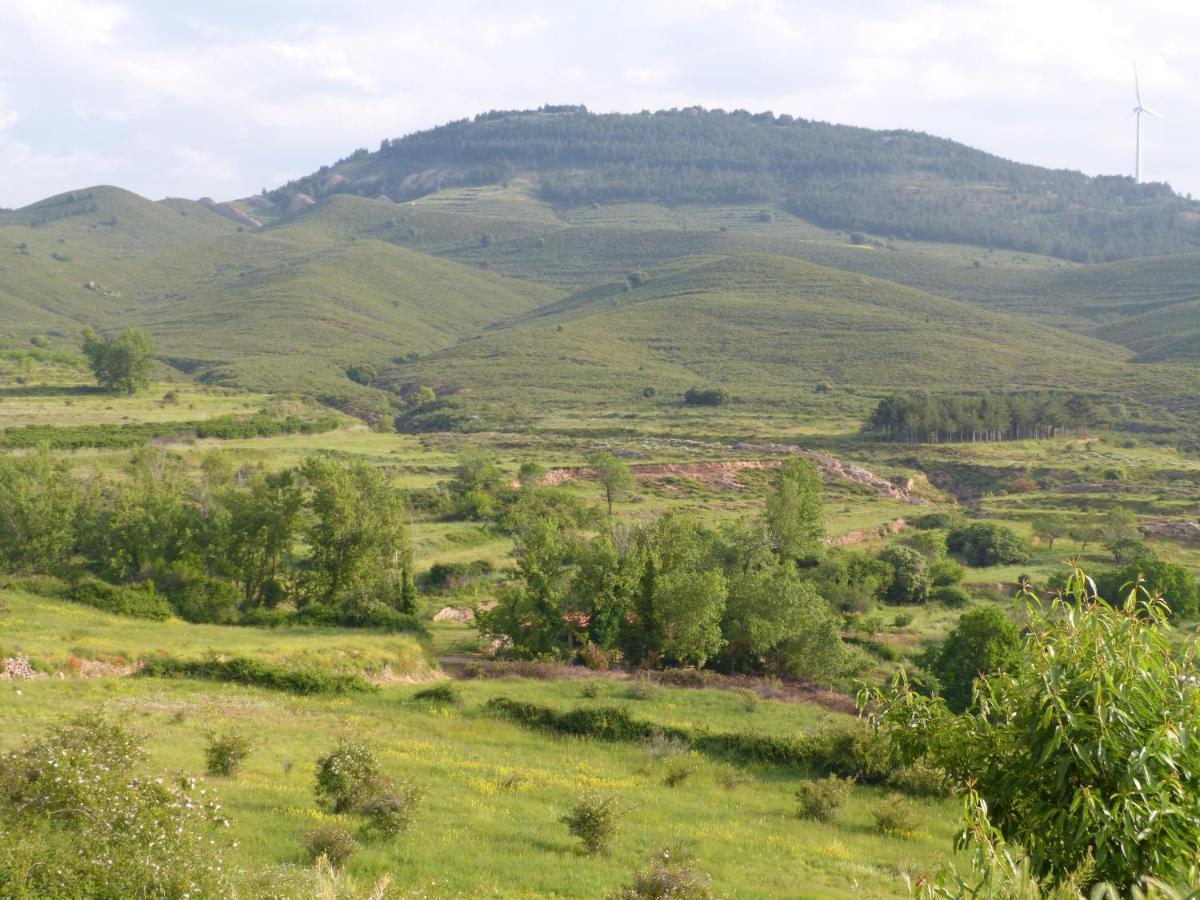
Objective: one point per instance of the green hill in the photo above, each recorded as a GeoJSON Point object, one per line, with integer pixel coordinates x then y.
{"type": "Point", "coordinates": [766, 329]}
{"type": "Point", "coordinates": [1170, 334]}
{"type": "Point", "coordinates": [900, 183]}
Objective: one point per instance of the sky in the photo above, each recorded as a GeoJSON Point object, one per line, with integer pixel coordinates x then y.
{"type": "Point", "coordinates": [224, 97]}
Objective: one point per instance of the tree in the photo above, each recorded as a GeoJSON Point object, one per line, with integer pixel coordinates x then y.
{"type": "Point", "coordinates": [1087, 530]}
{"type": "Point", "coordinates": [775, 620]}
{"type": "Point", "coordinates": [356, 538]}
{"type": "Point", "coordinates": [1081, 751]}
{"type": "Point", "coordinates": [982, 642]}
{"type": "Point", "coordinates": [1160, 578]}
{"type": "Point", "coordinates": [263, 519]}
{"type": "Point", "coordinates": [39, 502]}
{"type": "Point", "coordinates": [122, 363]}
{"type": "Point", "coordinates": [1049, 527]}
{"type": "Point", "coordinates": [613, 475]}
{"type": "Point", "coordinates": [690, 605]}
{"type": "Point", "coordinates": [910, 575]}
{"type": "Point", "coordinates": [531, 613]}
{"type": "Point", "coordinates": [987, 544]}
{"type": "Point", "coordinates": [794, 515]}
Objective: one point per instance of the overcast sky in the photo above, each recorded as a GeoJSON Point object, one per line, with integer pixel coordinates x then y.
{"type": "Point", "coordinates": [222, 97]}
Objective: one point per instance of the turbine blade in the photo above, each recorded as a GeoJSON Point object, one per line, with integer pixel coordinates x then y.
{"type": "Point", "coordinates": [1151, 112]}
{"type": "Point", "coordinates": [1137, 88]}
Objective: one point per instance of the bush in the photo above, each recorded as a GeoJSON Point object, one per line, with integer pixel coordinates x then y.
{"type": "Point", "coordinates": [1175, 583]}
{"type": "Point", "coordinates": [705, 397]}
{"type": "Point", "coordinates": [946, 572]}
{"type": "Point", "coordinates": [242, 670]}
{"type": "Point", "coordinates": [81, 820]}
{"type": "Point", "coordinates": [346, 776]}
{"type": "Point", "coordinates": [983, 641]}
{"type": "Point", "coordinates": [910, 575]}
{"type": "Point", "coordinates": [895, 816]}
{"type": "Point", "coordinates": [332, 842]}
{"type": "Point", "coordinates": [390, 808]}
{"type": "Point", "coordinates": [927, 521]}
{"type": "Point", "coordinates": [820, 799]}
{"type": "Point", "coordinates": [593, 819]}
{"type": "Point", "coordinates": [988, 544]}
{"type": "Point", "coordinates": [951, 596]}
{"type": "Point", "coordinates": [226, 752]}
{"type": "Point", "coordinates": [680, 767]}
{"type": "Point", "coordinates": [667, 876]}
{"type": "Point", "coordinates": [195, 595]}
{"type": "Point", "coordinates": [446, 693]}
{"type": "Point", "coordinates": [137, 601]}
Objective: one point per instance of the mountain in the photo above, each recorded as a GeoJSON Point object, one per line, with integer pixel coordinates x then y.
{"type": "Point", "coordinates": [900, 183]}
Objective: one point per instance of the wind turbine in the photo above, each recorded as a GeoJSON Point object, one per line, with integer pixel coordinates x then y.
{"type": "Point", "coordinates": [1137, 113]}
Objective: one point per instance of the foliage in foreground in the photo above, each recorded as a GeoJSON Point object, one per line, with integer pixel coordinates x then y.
{"type": "Point", "coordinates": [82, 820]}
{"type": "Point", "coordinates": [1083, 753]}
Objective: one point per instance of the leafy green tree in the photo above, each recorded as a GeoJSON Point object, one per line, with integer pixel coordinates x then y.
{"type": "Point", "coordinates": [478, 488]}
{"type": "Point", "coordinates": [794, 515]}
{"type": "Point", "coordinates": [982, 642]}
{"type": "Point", "coordinates": [774, 620]}
{"type": "Point", "coordinates": [1081, 752]}
{"type": "Point", "coordinates": [149, 518]}
{"type": "Point", "coordinates": [1118, 524]}
{"type": "Point", "coordinates": [1049, 527]}
{"type": "Point", "coordinates": [608, 575]}
{"type": "Point", "coordinates": [531, 613]}
{"type": "Point", "coordinates": [1175, 583]}
{"type": "Point", "coordinates": [39, 505]}
{"type": "Point", "coordinates": [613, 474]}
{"type": "Point", "coordinates": [1087, 529]}
{"type": "Point", "coordinates": [1129, 548]}
{"type": "Point", "coordinates": [262, 524]}
{"type": "Point", "coordinates": [910, 581]}
{"type": "Point", "coordinates": [120, 364]}
{"type": "Point", "coordinates": [690, 604]}
{"type": "Point", "coordinates": [852, 581]}
{"type": "Point", "coordinates": [356, 536]}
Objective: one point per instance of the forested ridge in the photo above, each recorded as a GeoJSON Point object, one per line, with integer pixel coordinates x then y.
{"type": "Point", "coordinates": [903, 183]}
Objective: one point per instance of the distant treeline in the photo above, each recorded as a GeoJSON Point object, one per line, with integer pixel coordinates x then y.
{"type": "Point", "coordinates": [942, 418]}
{"type": "Point", "coordinates": [902, 183]}
{"type": "Point", "coordinates": [136, 434]}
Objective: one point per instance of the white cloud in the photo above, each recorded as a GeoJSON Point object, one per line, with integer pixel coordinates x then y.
{"type": "Point", "coordinates": [193, 99]}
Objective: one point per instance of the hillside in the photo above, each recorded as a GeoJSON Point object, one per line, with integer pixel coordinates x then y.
{"type": "Point", "coordinates": [767, 329]}
{"type": "Point", "coordinates": [900, 183]}
{"type": "Point", "coordinates": [1170, 334]}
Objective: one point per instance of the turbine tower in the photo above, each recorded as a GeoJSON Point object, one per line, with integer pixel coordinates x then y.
{"type": "Point", "coordinates": [1137, 114]}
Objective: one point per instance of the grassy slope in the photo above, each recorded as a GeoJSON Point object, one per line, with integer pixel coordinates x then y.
{"type": "Point", "coordinates": [763, 327]}
{"type": "Point", "coordinates": [495, 791]}
{"type": "Point", "coordinates": [1169, 334]}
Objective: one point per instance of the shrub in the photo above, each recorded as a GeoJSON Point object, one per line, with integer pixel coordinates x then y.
{"type": "Point", "coordinates": [332, 842]}
{"type": "Point", "coordinates": [81, 820]}
{"type": "Point", "coordinates": [641, 688]}
{"type": "Point", "coordinates": [668, 876]}
{"type": "Point", "coordinates": [988, 544]}
{"type": "Point", "coordinates": [390, 808]}
{"type": "Point", "coordinates": [679, 769]}
{"type": "Point", "coordinates": [590, 689]}
{"type": "Point", "coordinates": [1118, 756]}
{"type": "Point", "coordinates": [931, 520]}
{"type": "Point", "coordinates": [346, 776]}
{"type": "Point", "coordinates": [446, 693]}
{"type": "Point", "coordinates": [946, 572]}
{"type": "Point", "coordinates": [895, 816]}
{"type": "Point", "coordinates": [226, 752]}
{"type": "Point", "coordinates": [910, 575]}
{"type": "Point", "coordinates": [902, 620]}
{"type": "Point", "coordinates": [593, 819]}
{"type": "Point", "coordinates": [1175, 583]}
{"type": "Point", "coordinates": [821, 798]}
{"type": "Point", "coordinates": [195, 595]}
{"type": "Point", "coordinates": [242, 670]}
{"type": "Point", "coordinates": [951, 596]}
{"type": "Point", "coordinates": [137, 601]}
{"type": "Point", "coordinates": [705, 397]}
